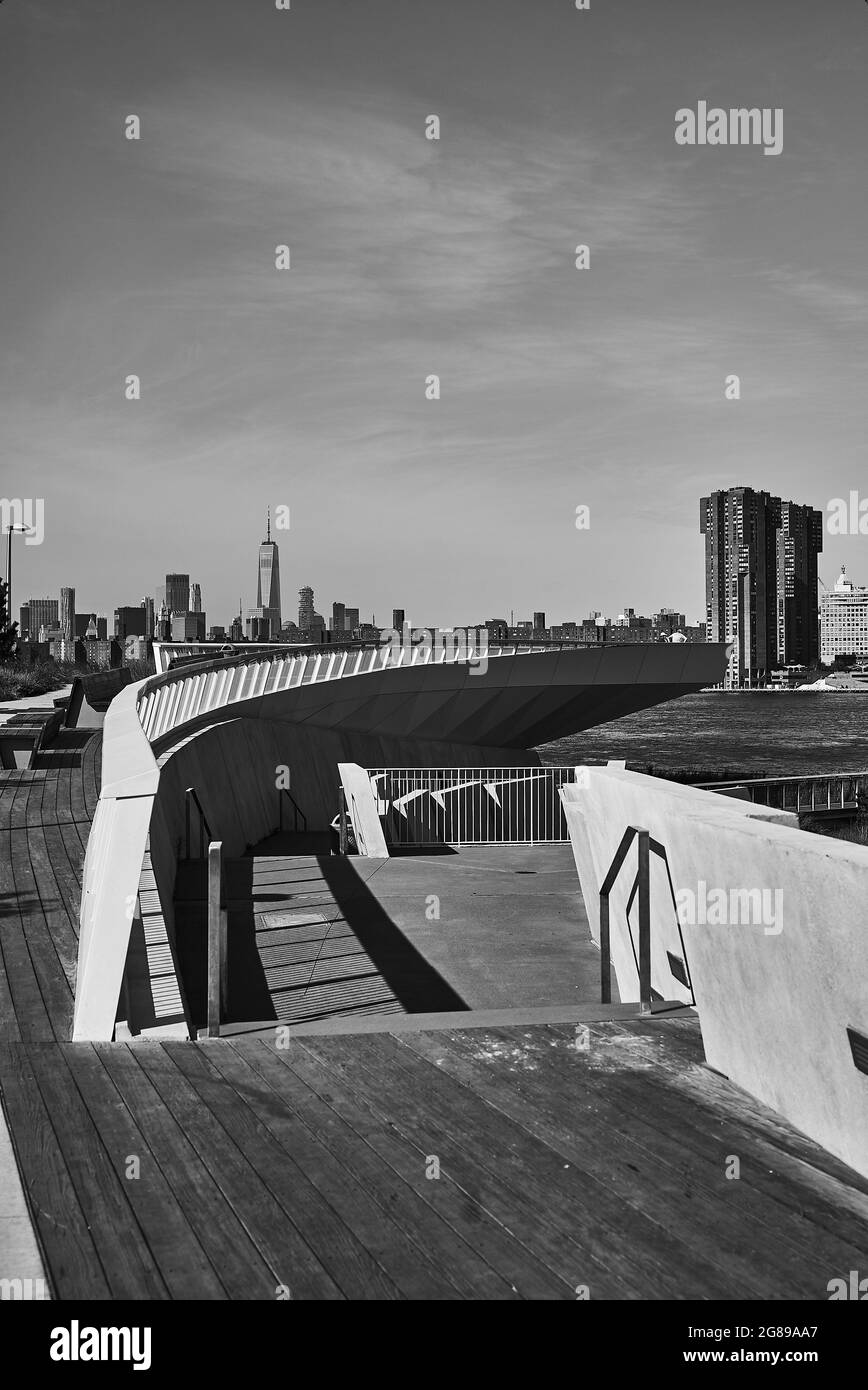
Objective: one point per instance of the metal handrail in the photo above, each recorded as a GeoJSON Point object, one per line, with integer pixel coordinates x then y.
{"type": "Point", "coordinates": [297, 811]}
{"type": "Point", "coordinates": [218, 963]}
{"type": "Point", "coordinates": [191, 797]}
{"type": "Point", "coordinates": [647, 846]}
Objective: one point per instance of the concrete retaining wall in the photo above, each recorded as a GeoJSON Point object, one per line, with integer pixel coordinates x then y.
{"type": "Point", "coordinates": [776, 990]}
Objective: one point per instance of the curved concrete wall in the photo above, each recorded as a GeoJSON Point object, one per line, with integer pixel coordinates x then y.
{"type": "Point", "coordinates": [778, 980]}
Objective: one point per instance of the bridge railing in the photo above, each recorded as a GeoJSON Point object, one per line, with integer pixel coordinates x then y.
{"type": "Point", "coordinates": [819, 792]}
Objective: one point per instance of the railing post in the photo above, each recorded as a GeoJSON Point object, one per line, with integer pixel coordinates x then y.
{"type": "Point", "coordinates": [644, 924]}
{"type": "Point", "coordinates": [605, 952]}
{"type": "Point", "coordinates": [218, 977]}
{"type": "Point", "coordinates": [342, 808]}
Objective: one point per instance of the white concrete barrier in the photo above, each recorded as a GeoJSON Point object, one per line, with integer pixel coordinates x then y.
{"type": "Point", "coordinates": [771, 921]}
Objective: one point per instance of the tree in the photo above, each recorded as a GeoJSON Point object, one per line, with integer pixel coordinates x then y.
{"type": "Point", "coordinates": [8, 631]}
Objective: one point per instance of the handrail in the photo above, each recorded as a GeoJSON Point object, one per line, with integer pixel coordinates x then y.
{"type": "Point", "coordinates": [218, 971]}
{"type": "Point", "coordinates": [191, 796]}
{"type": "Point", "coordinates": [647, 846]}
{"type": "Point", "coordinates": [644, 963]}
{"type": "Point", "coordinates": [284, 791]}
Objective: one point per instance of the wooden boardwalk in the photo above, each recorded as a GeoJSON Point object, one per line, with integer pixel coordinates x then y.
{"type": "Point", "coordinates": [45, 816]}
{"type": "Point", "coordinates": [238, 1169]}
{"type": "Point", "coordinates": [471, 1162]}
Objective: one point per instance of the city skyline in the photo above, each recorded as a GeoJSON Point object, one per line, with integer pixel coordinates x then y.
{"type": "Point", "coordinates": [560, 387]}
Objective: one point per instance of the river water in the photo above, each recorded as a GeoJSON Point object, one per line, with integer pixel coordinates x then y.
{"type": "Point", "coordinates": [732, 734]}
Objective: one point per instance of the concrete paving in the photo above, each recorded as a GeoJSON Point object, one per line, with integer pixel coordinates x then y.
{"type": "Point", "coordinates": [504, 925]}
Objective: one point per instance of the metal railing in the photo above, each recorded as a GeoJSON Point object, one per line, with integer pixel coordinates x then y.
{"type": "Point", "coordinates": [218, 962]}
{"type": "Point", "coordinates": [297, 812]}
{"type": "Point", "coordinates": [467, 806]}
{"type": "Point", "coordinates": [827, 791]}
{"type": "Point", "coordinates": [191, 799]}
{"type": "Point", "coordinates": [679, 968]}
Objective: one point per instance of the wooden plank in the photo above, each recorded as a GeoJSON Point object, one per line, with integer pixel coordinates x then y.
{"type": "Point", "coordinates": [848, 1190]}
{"type": "Point", "coordinates": [476, 1250]}
{"type": "Point", "coordinates": [67, 1243]}
{"type": "Point", "coordinates": [52, 904]}
{"type": "Point", "coordinates": [548, 1262]}
{"type": "Point", "coordinates": [23, 988]}
{"type": "Point", "coordinates": [221, 1234]}
{"type": "Point", "coordinates": [568, 1124]}
{"type": "Point", "coordinates": [183, 1264]}
{"type": "Point", "coordinates": [565, 1217]}
{"type": "Point", "coordinates": [128, 1263]}
{"type": "Point", "coordinates": [344, 1198]}
{"type": "Point", "coordinates": [274, 1235]}
{"type": "Point", "coordinates": [54, 987]}
{"type": "Point", "coordinates": [773, 1192]}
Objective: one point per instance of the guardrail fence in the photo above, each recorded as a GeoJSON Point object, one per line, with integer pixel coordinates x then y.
{"type": "Point", "coordinates": [829, 792]}
{"type": "Point", "coordinates": [471, 806]}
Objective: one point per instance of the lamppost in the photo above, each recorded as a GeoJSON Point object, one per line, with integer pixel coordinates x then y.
{"type": "Point", "coordinates": [13, 526]}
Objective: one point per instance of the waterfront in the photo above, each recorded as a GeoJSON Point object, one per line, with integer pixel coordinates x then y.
{"type": "Point", "coordinates": [732, 733]}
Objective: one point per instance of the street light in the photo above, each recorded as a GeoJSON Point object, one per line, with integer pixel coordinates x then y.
{"type": "Point", "coordinates": [13, 526]}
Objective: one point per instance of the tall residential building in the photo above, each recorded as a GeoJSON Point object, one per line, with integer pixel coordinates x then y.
{"type": "Point", "coordinates": [761, 580]}
{"type": "Point", "coordinates": [42, 612]}
{"type": "Point", "coordinates": [305, 608]}
{"type": "Point", "coordinates": [799, 542]}
{"type": "Point", "coordinates": [67, 614]}
{"type": "Point", "coordinates": [268, 582]}
{"type": "Point", "coordinates": [398, 619]}
{"type": "Point", "coordinates": [195, 598]}
{"type": "Point", "coordinates": [843, 620]}
{"type": "Point", "coordinates": [539, 622]}
{"type": "Point", "coordinates": [339, 613]}
{"type": "Point", "coordinates": [178, 593]}
{"type": "Point", "coordinates": [351, 620]}
{"type": "Point", "coordinates": [148, 605]}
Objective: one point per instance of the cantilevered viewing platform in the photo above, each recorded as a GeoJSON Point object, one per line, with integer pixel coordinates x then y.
{"type": "Point", "coordinates": [417, 1087]}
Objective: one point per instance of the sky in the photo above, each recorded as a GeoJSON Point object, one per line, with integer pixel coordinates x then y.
{"type": "Point", "coordinates": [305, 388]}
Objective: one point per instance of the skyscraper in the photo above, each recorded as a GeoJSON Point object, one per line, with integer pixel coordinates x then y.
{"type": "Point", "coordinates": [761, 580]}
{"type": "Point", "coordinates": [195, 598]}
{"type": "Point", "coordinates": [397, 619]}
{"type": "Point", "coordinates": [844, 621]}
{"type": "Point", "coordinates": [67, 614]}
{"type": "Point", "coordinates": [338, 617]}
{"type": "Point", "coordinates": [43, 612]}
{"type": "Point", "coordinates": [305, 608]}
{"type": "Point", "coordinates": [148, 605]}
{"type": "Point", "coordinates": [178, 593]}
{"type": "Point", "coordinates": [268, 582]}
{"type": "Point", "coordinates": [130, 622]}
{"type": "Point", "coordinates": [351, 620]}
{"type": "Point", "coordinates": [539, 622]}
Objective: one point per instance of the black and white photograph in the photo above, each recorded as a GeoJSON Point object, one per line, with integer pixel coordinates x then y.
{"type": "Point", "coordinates": [433, 672]}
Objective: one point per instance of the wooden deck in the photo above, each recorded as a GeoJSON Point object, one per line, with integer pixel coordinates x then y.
{"type": "Point", "coordinates": [238, 1169]}
{"type": "Point", "coordinates": [45, 816]}
{"type": "Point", "coordinates": [312, 1170]}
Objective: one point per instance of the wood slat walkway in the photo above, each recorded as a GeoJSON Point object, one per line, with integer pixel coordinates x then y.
{"type": "Point", "coordinates": [237, 1169]}
{"type": "Point", "coordinates": [45, 817]}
